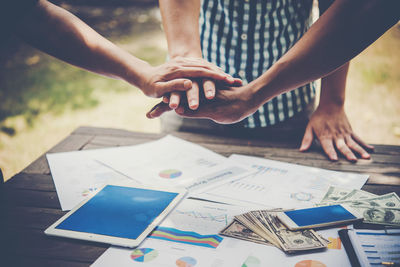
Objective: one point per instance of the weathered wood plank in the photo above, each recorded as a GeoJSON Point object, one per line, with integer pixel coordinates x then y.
{"type": "Point", "coordinates": [96, 131]}
{"type": "Point", "coordinates": [34, 243]}
{"type": "Point", "coordinates": [29, 181]}
{"type": "Point", "coordinates": [381, 189]}
{"type": "Point", "coordinates": [70, 143]}
{"type": "Point", "coordinates": [31, 261]}
{"type": "Point", "coordinates": [31, 217]}
{"type": "Point", "coordinates": [30, 198]}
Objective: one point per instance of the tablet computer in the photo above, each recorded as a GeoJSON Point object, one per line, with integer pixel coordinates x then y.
{"type": "Point", "coordinates": [118, 214]}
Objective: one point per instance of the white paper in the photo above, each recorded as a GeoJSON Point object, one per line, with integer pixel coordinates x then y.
{"type": "Point", "coordinates": [197, 223]}
{"type": "Point", "coordinates": [77, 175]}
{"type": "Point", "coordinates": [335, 256]}
{"type": "Point", "coordinates": [189, 234]}
{"type": "Point", "coordinates": [171, 161]}
{"type": "Point", "coordinates": [232, 253]}
{"type": "Point", "coordinates": [166, 254]}
{"type": "Point", "coordinates": [280, 185]}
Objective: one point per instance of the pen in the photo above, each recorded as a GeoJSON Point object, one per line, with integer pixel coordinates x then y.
{"type": "Point", "coordinates": [390, 263]}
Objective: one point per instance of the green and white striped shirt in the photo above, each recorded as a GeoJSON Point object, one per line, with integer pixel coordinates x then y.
{"type": "Point", "coordinates": [245, 37]}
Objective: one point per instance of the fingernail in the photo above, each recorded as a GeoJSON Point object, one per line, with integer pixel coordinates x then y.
{"type": "Point", "coordinates": [209, 94]}
{"type": "Point", "coordinates": [179, 110]}
{"type": "Point", "coordinates": [187, 84]}
{"type": "Point", "coordinates": [193, 104]}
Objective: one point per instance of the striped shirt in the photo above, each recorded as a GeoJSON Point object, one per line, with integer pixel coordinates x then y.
{"type": "Point", "coordinates": [245, 37]}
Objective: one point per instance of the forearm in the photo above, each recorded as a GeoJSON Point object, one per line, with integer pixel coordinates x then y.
{"type": "Point", "coordinates": [61, 34]}
{"type": "Point", "coordinates": [333, 88]}
{"type": "Point", "coordinates": [181, 25]}
{"type": "Point", "coordinates": [341, 33]}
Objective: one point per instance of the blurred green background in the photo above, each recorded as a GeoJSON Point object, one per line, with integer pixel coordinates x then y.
{"type": "Point", "coordinates": [43, 99]}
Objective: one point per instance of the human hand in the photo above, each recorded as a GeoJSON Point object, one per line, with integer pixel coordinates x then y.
{"type": "Point", "coordinates": [329, 124]}
{"type": "Point", "coordinates": [230, 105]}
{"type": "Point", "coordinates": [174, 76]}
{"type": "Point", "coordinates": [198, 87]}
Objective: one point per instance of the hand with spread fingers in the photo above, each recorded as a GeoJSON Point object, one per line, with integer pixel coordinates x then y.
{"type": "Point", "coordinates": [333, 130]}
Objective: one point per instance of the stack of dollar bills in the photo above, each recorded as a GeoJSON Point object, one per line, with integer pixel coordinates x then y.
{"type": "Point", "coordinates": [264, 227]}
{"type": "Point", "coordinates": [375, 209]}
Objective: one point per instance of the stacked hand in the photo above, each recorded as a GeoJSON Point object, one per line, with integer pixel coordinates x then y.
{"type": "Point", "coordinates": [175, 76]}
{"type": "Point", "coordinates": [230, 105]}
{"type": "Point", "coordinates": [226, 105]}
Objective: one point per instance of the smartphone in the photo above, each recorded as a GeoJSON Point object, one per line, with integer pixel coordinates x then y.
{"type": "Point", "coordinates": [318, 217]}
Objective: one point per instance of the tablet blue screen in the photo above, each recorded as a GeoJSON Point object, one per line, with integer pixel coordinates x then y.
{"type": "Point", "coordinates": [319, 215]}
{"type": "Point", "coordinates": [118, 211]}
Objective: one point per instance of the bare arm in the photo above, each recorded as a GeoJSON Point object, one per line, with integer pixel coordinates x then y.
{"type": "Point", "coordinates": [64, 36]}
{"type": "Point", "coordinates": [181, 24]}
{"type": "Point", "coordinates": [329, 123]}
{"type": "Point", "coordinates": [342, 32]}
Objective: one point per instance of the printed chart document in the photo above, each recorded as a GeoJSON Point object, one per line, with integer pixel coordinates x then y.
{"type": "Point", "coordinates": [77, 175]}
{"type": "Point", "coordinates": [171, 161]}
{"type": "Point", "coordinates": [189, 235]}
{"type": "Point", "coordinates": [280, 185]}
{"type": "Point", "coordinates": [334, 256]}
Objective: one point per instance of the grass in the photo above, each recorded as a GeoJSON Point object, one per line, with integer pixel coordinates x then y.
{"type": "Point", "coordinates": [43, 99]}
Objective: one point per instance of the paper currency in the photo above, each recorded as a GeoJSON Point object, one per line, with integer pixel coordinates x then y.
{"type": "Point", "coordinates": [263, 226]}
{"type": "Point", "coordinates": [237, 230]}
{"type": "Point", "coordinates": [384, 209]}
{"type": "Point", "coordinates": [334, 194]}
{"type": "Point", "coordinates": [379, 215]}
{"type": "Point", "coordinates": [292, 241]}
{"type": "Point", "coordinates": [390, 200]}
{"type": "Point", "coordinates": [356, 195]}
{"type": "Point", "coordinates": [246, 220]}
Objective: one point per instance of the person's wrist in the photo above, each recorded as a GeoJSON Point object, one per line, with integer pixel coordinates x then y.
{"type": "Point", "coordinates": [186, 51]}
{"type": "Point", "coordinates": [139, 76]}
{"type": "Point", "coordinates": [331, 104]}
{"type": "Point", "coordinates": [249, 101]}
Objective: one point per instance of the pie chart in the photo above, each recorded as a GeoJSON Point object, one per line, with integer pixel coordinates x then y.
{"type": "Point", "coordinates": [251, 261]}
{"type": "Point", "coordinates": [310, 263]}
{"type": "Point", "coordinates": [170, 173]}
{"type": "Point", "coordinates": [144, 254]}
{"type": "Point", "coordinates": [186, 262]}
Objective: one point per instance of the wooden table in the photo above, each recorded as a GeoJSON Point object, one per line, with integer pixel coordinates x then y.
{"type": "Point", "coordinates": [29, 202]}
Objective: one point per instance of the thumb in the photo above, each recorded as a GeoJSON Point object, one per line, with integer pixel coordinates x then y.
{"type": "Point", "coordinates": [158, 110]}
{"type": "Point", "coordinates": [307, 139]}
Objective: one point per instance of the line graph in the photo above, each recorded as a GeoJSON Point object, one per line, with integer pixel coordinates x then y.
{"type": "Point", "coordinates": [221, 218]}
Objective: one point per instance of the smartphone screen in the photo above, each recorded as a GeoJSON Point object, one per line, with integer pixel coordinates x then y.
{"type": "Point", "coordinates": [319, 215]}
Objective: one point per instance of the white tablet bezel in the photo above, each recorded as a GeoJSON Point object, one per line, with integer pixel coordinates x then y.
{"type": "Point", "coordinates": [119, 241]}
{"type": "Point", "coordinates": [286, 220]}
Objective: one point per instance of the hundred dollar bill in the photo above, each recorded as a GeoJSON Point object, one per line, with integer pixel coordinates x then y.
{"type": "Point", "coordinates": [379, 215]}
{"type": "Point", "coordinates": [357, 195]}
{"type": "Point", "coordinates": [390, 200]}
{"type": "Point", "coordinates": [266, 232]}
{"type": "Point", "coordinates": [237, 230]}
{"type": "Point", "coordinates": [247, 221]}
{"type": "Point", "coordinates": [334, 194]}
{"type": "Point", "coordinates": [292, 241]}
